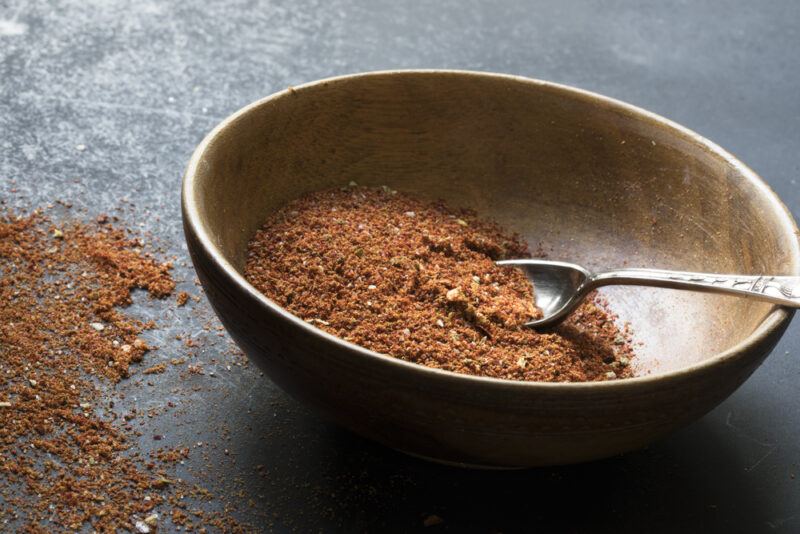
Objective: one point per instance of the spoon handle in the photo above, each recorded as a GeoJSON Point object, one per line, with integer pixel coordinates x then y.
{"type": "Point", "coordinates": [783, 290]}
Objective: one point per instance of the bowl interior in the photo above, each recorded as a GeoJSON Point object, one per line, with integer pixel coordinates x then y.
{"type": "Point", "coordinates": [592, 181]}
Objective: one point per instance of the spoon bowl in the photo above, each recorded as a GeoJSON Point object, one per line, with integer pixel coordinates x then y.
{"type": "Point", "coordinates": [559, 288]}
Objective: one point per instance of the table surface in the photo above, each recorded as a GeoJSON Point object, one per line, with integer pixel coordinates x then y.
{"type": "Point", "coordinates": [136, 85]}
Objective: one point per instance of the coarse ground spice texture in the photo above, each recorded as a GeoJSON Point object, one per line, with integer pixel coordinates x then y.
{"type": "Point", "coordinates": [418, 281]}
{"type": "Point", "coordinates": [66, 459]}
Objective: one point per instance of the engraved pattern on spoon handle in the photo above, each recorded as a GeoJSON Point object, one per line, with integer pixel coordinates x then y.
{"type": "Point", "coordinates": [783, 290]}
{"type": "Point", "coordinates": [752, 284]}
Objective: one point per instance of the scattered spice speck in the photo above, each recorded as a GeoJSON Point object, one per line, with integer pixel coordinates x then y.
{"type": "Point", "coordinates": [182, 298]}
{"type": "Point", "coordinates": [155, 369]}
{"type": "Point", "coordinates": [432, 520]}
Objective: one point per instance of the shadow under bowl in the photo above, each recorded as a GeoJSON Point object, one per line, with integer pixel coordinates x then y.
{"type": "Point", "coordinates": [595, 181]}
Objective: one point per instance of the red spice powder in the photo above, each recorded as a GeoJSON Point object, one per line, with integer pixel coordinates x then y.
{"type": "Point", "coordinates": [65, 462]}
{"type": "Point", "coordinates": [418, 281]}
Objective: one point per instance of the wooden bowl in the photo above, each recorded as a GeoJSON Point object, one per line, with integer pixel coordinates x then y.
{"type": "Point", "coordinates": [596, 181]}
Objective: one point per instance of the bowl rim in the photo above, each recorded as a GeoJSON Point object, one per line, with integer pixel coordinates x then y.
{"type": "Point", "coordinates": [777, 317]}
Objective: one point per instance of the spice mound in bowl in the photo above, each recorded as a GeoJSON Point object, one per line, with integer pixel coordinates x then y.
{"type": "Point", "coordinates": [418, 281]}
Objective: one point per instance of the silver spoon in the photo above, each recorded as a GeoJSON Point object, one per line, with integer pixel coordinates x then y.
{"type": "Point", "coordinates": [560, 287]}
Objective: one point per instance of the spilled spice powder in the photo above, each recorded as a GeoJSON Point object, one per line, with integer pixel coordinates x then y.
{"type": "Point", "coordinates": [182, 298]}
{"type": "Point", "coordinates": [66, 463]}
{"type": "Point", "coordinates": [418, 281]}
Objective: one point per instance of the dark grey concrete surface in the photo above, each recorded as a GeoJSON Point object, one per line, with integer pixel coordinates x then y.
{"type": "Point", "coordinates": [102, 102]}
